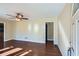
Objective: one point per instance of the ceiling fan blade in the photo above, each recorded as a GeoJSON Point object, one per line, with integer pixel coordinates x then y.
{"type": "Point", "coordinates": [25, 18]}
{"type": "Point", "coordinates": [11, 18]}
{"type": "Point", "coordinates": [10, 15]}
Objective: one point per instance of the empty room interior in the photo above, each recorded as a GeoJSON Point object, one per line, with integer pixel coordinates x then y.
{"type": "Point", "coordinates": [39, 29]}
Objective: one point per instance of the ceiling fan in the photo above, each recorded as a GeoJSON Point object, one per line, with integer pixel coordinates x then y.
{"type": "Point", "coordinates": [18, 16]}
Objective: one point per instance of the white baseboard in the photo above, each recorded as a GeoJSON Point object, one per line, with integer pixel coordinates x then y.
{"type": "Point", "coordinates": [50, 39]}
{"type": "Point", "coordinates": [8, 40]}
{"type": "Point", "coordinates": [61, 50]}
{"type": "Point", "coordinates": [31, 40]}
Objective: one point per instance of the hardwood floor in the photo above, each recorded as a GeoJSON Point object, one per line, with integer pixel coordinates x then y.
{"type": "Point", "coordinates": [38, 49]}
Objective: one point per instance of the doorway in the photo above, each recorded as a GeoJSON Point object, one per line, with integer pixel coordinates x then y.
{"type": "Point", "coordinates": [49, 31]}
{"type": "Point", "coordinates": [1, 35]}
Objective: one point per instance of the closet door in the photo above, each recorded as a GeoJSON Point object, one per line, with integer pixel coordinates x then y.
{"type": "Point", "coordinates": [73, 40]}
{"type": "Point", "coordinates": [1, 35]}
{"type": "Point", "coordinates": [1, 40]}
{"type": "Point", "coordinates": [77, 31]}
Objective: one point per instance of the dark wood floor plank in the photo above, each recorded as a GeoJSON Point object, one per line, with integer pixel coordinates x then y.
{"type": "Point", "coordinates": [38, 49]}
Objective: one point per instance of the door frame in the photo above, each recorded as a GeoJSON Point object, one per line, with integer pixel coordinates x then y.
{"type": "Point", "coordinates": [46, 31]}
{"type": "Point", "coordinates": [4, 32]}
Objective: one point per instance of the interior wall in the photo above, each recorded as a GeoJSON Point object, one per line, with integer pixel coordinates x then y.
{"type": "Point", "coordinates": [34, 30]}
{"type": "Point", "coordinates": [9, 30]}
{"type": "Point", "coordinates": [29, 30]}
{"type": "Point", "coordinates": [64, 28]}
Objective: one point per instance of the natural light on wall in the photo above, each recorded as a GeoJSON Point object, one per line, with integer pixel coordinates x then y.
{"type": "Point", "coordinates": [64, 39]}
{"type": "Point", "coordinates": [36, 28]}
{"type": "Point", "coordinates": [29, 27]}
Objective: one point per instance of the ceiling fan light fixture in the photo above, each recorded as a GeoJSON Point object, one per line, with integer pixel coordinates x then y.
{"type": "Point", "coordinates": [17, 19]}
{"type": "Point", "coordinates": [20, 16]}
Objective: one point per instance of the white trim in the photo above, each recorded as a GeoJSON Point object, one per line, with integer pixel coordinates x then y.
{"type": "Point", "coordinates": [55, 38]}
{"type": "Point", "coordinates": [76, 19]}
{"type": "Point", "coordinates": [50, 39]}
{"type": "Point", "coordinates": [8, 40]}
{"type": "Point", "coordinates": [45, 30]}
{"type": "Point", "coordinates": [31, 40]}
{"type": "Point", "coordinates": [76, 13]}
{"type": "Point", "coordinates": [76, 37]}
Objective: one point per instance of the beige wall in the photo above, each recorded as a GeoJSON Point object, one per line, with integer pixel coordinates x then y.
{"type": "Point", "coordinates": [9, 26]}
{"type": "Point", "coordinates": [64, 24]}
{"type": "Point", "coordinates": [8, 35]}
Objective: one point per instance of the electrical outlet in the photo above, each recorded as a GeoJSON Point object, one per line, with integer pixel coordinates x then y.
{"type": "Point", "coordinates": [25, 37]}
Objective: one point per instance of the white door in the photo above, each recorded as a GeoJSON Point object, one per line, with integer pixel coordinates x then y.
{"type": "Point", "coordinates": [77, 33]}
{"type": "Point", "coordinates": [73, 41]}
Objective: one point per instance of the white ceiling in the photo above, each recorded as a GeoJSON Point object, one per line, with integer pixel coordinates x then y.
{"type": "Point", "coordinates": [31, 10]}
